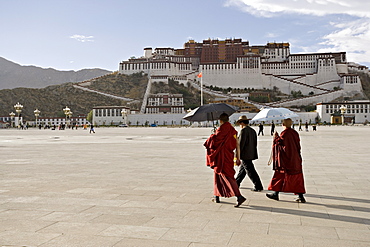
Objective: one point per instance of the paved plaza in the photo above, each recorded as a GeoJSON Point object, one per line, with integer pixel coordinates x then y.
{"type": "Point", "coordinates": [150, 187]}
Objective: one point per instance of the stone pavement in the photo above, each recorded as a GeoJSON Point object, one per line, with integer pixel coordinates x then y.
{"type": "Point", "coordinates": [150, 187]}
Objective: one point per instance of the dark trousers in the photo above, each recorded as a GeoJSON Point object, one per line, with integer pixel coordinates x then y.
{"type": "Point", "coordinates": [247, 168]}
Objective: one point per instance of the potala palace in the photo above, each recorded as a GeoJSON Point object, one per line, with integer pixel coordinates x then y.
{"type": "Point", "coordinates": [236, 64]}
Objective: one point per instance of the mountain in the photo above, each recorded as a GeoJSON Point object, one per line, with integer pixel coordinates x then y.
{"type": "Point", "coordinates": [13, 75]}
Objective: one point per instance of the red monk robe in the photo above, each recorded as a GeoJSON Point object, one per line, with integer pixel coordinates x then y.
{"type": "Point", "coordinates": [220, 157]}
{"type": "Point", "coordinates": [287, 163]}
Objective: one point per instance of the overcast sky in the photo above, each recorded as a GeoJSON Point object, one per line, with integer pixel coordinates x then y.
{"type": "Point", "coordinates": [78, 34]}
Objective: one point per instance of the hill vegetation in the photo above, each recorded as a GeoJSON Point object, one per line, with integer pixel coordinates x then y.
{"type": "Point", "coordinates": [130, 86]}
{"type": "Point", "coordinates": [365, 80]}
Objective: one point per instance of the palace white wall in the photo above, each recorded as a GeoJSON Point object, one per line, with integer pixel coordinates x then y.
{"type": "Point", "coordinates": [315, 73]}
{"type": "Point", "coordinates": [159, 119]}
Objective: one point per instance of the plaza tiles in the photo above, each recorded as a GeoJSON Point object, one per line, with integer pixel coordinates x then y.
{"type": "Point", "coordinates": [150, 187]}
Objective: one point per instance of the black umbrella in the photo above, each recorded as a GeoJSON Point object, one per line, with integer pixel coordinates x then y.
{"type": "Point", "coordinates": [210, 112]}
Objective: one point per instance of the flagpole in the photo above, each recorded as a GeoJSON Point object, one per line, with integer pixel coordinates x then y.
{"type": "Point", "coordinates": [201, 90]}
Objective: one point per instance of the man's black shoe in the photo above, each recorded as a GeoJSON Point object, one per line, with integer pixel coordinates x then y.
{"type": "Point", "coordinates": [273, 196]}
{"type": "Point", "coordinates": [256, 190]}
{"type": "Point", "coordinates": [240, 201]}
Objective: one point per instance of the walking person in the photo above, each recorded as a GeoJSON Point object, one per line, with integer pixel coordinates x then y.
{"type": "Point", "coordinates": [92, 129]}
{"type": "Point", "coordinates": [220, 157]}
{"type": "Point", "coordinates": [246, 153]}
{"type": "Point", "coordinates": [306, 126]}
{"type": "Point", "coordinates": [272, 128]}
{"type": "Point", "coordinates": [300, 125]}
{"type": "Point", "coordinates": [287, 163]}
{"type": "Point", "coordinates": [260, 127]}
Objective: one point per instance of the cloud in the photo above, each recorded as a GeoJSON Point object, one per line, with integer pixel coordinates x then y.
{"type": "Point", "coordinates": [350, 34]}
{"type": "Point", "coordinates": [270, 8]}
{"type": "Point", "coordinates": [82, 38]}
{"type": "Point", "coordinates": [271, 35]}
{"type": "Point", "coordinates": [352, 37]}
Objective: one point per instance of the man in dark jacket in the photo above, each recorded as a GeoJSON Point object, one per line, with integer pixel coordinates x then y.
{"type": "Point", "coordinates": [246, 153]}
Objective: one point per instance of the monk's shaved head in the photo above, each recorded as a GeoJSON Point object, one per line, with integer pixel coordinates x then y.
{"type": "Point", "coordinates": [287, 122]}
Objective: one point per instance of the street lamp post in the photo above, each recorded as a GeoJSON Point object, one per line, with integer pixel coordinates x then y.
{"type": "Point", "coordinates": [69, 117]}
{"type": "Point", "coordinates": [343, 110]}
{"type": "Point", "coordinates": [37, 114]}
{"type": "Point", "coordinates": [18, 109]}
{"type": "Point", "coordinates": [12, 115]}
{"type": "Point", "coordinates": [67, 112]}
{"type": "Point", "coordinates": [124, 116]}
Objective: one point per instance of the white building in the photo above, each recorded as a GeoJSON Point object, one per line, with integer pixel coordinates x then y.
{"type": "Point", "coordinates": [110, 115]}
{"type": "Point", "coordinates": [165, 103]}
{"type": "Point", "coordinates": [51, 121]}
{"type": "Point", "coordinates": [358, 111]}
{"type": "Point", "coordinates": [255, 67]}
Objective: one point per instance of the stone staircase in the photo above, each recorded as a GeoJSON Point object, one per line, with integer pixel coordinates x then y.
{"type": "Point", "coordinates": [302, 84]}
{"type": "Point", "coordinates": [84, 86]}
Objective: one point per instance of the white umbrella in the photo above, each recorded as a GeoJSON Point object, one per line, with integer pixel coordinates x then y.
{"type": "Point", "coordinates": [269, 114]}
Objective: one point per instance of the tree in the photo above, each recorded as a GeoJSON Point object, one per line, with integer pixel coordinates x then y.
{"type": "Point", "coordinates": [90, 116]}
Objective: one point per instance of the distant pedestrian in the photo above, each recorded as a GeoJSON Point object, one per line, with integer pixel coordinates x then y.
{"type": "Point", "coordinates": [306, 125]}
{"type": "Point", "coordinates": [92, 129]}
{"type": "Point", "coordinates": [272, 128]}
{"type": "Point", "coordinates": [260, 127]}
{"type": "Point", "coordinates": [300, 126]}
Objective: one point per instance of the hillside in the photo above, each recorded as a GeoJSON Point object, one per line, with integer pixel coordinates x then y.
{"type": "Point", "coordinates": [13, 75]}
{"type": "Point", "coordinates": [365, 81]}
{"type": "Point", "coordinates": [130, 86]}
{"type": "Point", "coordinates": [52, 99]}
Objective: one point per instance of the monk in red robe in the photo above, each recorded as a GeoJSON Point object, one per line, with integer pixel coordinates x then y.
{"type": "Point", "coordinates": [287, 163]}
{"type": "Point", "coordinates": [220, 157]}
